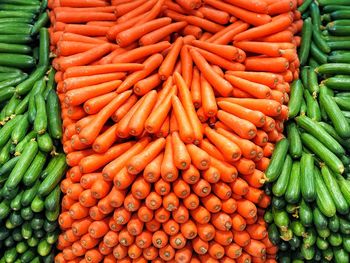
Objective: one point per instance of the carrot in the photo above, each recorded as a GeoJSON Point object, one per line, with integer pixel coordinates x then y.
{"type": "Point", "coordinates": [212, 175]}
{"type": "Point", "coordinates": [185, 130]}
{"type": "Point", "coordinates": [192, 30]}
{"type": "Point", "coordinates": [78, 96]}
{"type": "Point", "coordinates": [83, 17]}
{"type": "Point", "coordinates": [68, 48]}
{"type": "Point", "coordinates": [196, 88]}
{"type": "Point", "coordinates": [126, 7]}
{"type": "Point", "coordinates": [120, 252]}
{"type": "Point", "coordinates": [256, 231]}
{"type": "Point", "coordinates": [130, 35]}
{"type": "Point", "coordinates": [191, 201]}
{"type": "Point", "coordinates": [259, 64]}
{"type": "Point", "coordinates": [77, 249]}
{"type": "Point", "coordinates": [83, 3]}
{"type": "Point", "coordinates": [255, 248]}
{"type": "Point", "coordinates": [224, 36]}
{"type": "Point", "coordinates": [229, 149]}
{"type": "Point", "coordinates": [200, 246]}
{"type": "Point", "coordinates": [268, 79]}
{"type": "Point", "coordinates": [153, 201]}
{"type": "Point", "coordinates": [88, 242]}
{"type": "Point", "coordinates": [140, 9]}
{"type": "Point", "coordinates": [83, 58]}
{"type": "Point", "coordinates": [251, 17]}
{"type": "Point", "coordinates": [223, 238]}
{"type": "Point", "coordinates": [224, 51]}
{"type": "Point", "coordinates": [208, 98]}
{"type": "Point", "coordinates": [162, 215]}
{"type": "Point", "coordinates": [162, 187]}
{"type": "Point", "coordinates": [145, 214]}
{"type": "Point", "coordinates": [150, 65]}
{"type": "Point", "coordinates": [211, 149]}
{"type": "Point", "coordinates": [196, 21]}
{"type": "Point", "coordinates": [281, 7]}
{"type": "Point", "coordinates": [219, 84]}
{"type": "Point", "coordinates": [233, 250]}
{"type": "Point", "coordinates": [212, 203]}
{"type": "Point", "coordinates": [215, 15]}
{"type": "Point", "coordinates": [201, 215]}
{"type": "Point", "coordinates": [216, 250]}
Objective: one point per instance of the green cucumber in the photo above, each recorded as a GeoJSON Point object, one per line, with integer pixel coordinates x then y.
{"type": "Point", "coordinates": [29, 194]}
{"type": "Point", "coordinates": [320, 41]}
{"type": "Point", "coordinates": [40, 122]}
{"type": "Point", "coordinates": [29, 8]}
{"type": "Point", "coordinates": [305, 6]}
{"type": "Point", "coordinates": [45, 142]}
{"type": "Point", "coordinates": [344, 186]}
{"type": "Point", "coordinates": [281, 219]}
{"type": "Point", "coordinates": [28, 256]}
{"type": "Point", "coordinates": [54, 177]}
{"type": "Point", "coordinates": [26, 213]}
{"type": "Point", "coordinates": [339, 58]}
{"type": "Point", "coordinates": [307, 178]}
{"type": "Point", "coordinates": [340, 14]}
{"type": "Point", "coordinates": [307, 252]}
{"type": "Point", "coordinates": [343, 103]}
{"type": "Point", "coordinates": [52, 215]}
{"type": "Point", "coordinates": [338, 45]}
{"type": "Point", "coordinates": [20, 130]}
{"type": "Point", "coordinates": [44, 47]}
{"type": "Point", "coordinates": [52, 237]}
{"type": "Point", "coordinates": [346, 243]}
{"type": "Point", "coordinates": [54, 116]}
{"type": "Point", "coordinates": [305, 214]}
{"type": "Point", "coordinates": [16, 202]}
{"type": "Point", "coordinates": [16, 219]}
{"type": "Point", "coordinates": [344, 226]}
{"type": "Point", "coordinates": [37, 204]}
{"type": "Point", "coordinates": [334, 223]}
{"type": "Point", "coordinates": [322, 152]}
{"type": "Point", "coordinates": [22, 106]}
{"type": "Point", "coordinates": [16, 39]}
{"type": "Point", "coordinates": [304, 72]}
{"type": "Point", "coordinates": [328, 254]}
{"type": "Point", "coordinates": [295, 145]}
{"type": "Point", "coordinates": [322, 243]}
{"type": "Point", "coordinates": [53, 199]}
{"type": "Point", "coordinates": [310, 237]}
{"type": "Point", "coordinates": [320, 220]}
{"type": "Point", "coordinates": [292, 194]}
{"type": "Point", "coordinates": [305, 42]}
{"type": "Point", "coordinates": [334, 69]}
{"type": "Point", "coordinates": [338, 83]}
{"type": "Point", "coordinates": [312, 108]}
{"type": "Point", "coordinates": [323, 198]}
{"type": "Point", "coordinates": [50, 226]}
{"type": "Point", "coordinates": [312, 83]}
{"type": "Point", "coordinates": [21, 247]}
{"type": "Point", "coordinates": [7, 168]}
{"type": "Point", "coordinates": [280, 187]}
{"type": "Point", "coordinates": [316, 130]}
{"type": "Point", "coordinates": [317, 54]}
{"type": "Point", "coordinates": [41, 22]}
{"type": "Point", "coordinates": [4, 209]}
{"type": "Point", "coordinates": [6, 130]}
{"type": "Point", "coordinates": [335, 239]}
{"type": "Point", "coordinates": [6, 93]}
{"type": "Point", "coordinates": [338, 30]}
{"type": "Point", "coordinates": [340, 255]}
{"type": "Point", "coordinates": [27, 85]}
{"type": "Point", "coordinates": [21, 145]}
{"type": "Point", "coordinates": [34, 170]}
{"type": "Point", "coordinates": [22, 165]}
{"type": "Point", "coordinates": [315, 15]}
{"type": "Point", "coordinates": [276, 164]}
{"type": "Point", "coordinates": [50, 85]}
{"type": "Point", "coordinates": [334, 113]}
{"type": "Point", "coordinates": [334, 190]}
{"type": "Point", "coordinates": [50, 167]}
{"type": "Point", "coordinates": [297, 228]}
{"type": "Point", "coordinates": [44, 248]}
{"type": "Point", "coordinates": [16, 60]}
{"type": "Point", "coordinates": [295, 98]}
{"type": "Point", "coordinates": [10, 255]}
{"type": "Point", "coordinates": [278, 202]}
{"type": "Point", "coordinates": [39, 87]}
{"type": "Point", "coordinates": [330, 129]}
{"type": "Point", "coordinates": [5, 153]}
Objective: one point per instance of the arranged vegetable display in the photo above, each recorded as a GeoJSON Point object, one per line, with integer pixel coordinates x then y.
{"type": "Point", "coordinates": [309, 214]}
{"type": "Point", "coordinates": [171, 110]}
{"type": "Point", "coordinates": [31, 166]}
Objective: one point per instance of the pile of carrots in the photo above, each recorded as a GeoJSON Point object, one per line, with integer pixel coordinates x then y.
{"type": "Point", "coordinates": [171, 110]}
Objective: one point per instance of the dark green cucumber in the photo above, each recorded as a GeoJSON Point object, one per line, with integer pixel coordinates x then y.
{"type": "Point", "coordinates": [323, 198]}
{"type": "Point", "coordinates": [304, 72]}
{"type": "Point", "coordinates": [15, 218]}
{"type": "Point", "coordinates": [281, 219]}
{"type": "Point", "coordinates": [10, 255]}
{"type": "Point", "coordinates": [305, 42]}
{"type": "Point", "coordinates": [305, 214]}
{"type": "Point", "coordinates": [280, 187]}
{"type": "Point", "coordinates": [305, 5]}
{"type": "Point", "coordinates": [23, 105]}
{"type": "Point", "coordinates": [44, 47]}
{"type": "Point", "coordinates": [51, 84]}
{"type": "Point", "coordinates": [338, 30]}
{"type": "Point", "coordinates": [52, 237]}
{"type": "Point", "coordinates": [343, 103]}
{"type": "Point", "coordinates": [344, 186]}
{"type": "Point", "coordinates": [13, 81]}
{"type": "Point", "coordinates": [53, 199]}
{"type": "Point", "coordinates": [40, 122]}
{"type": "Point", "coordinates": [316, 130]}
{"type": "Point", "coordinates": [9, 194]}
{"type": "Point", "coordinates": [29, 194]}
{"type": "Point", "coordinates": [344, 226]}
{"type": "Point", "coordinates": [334, 223]}
{"type": "Point", "coordinates": [312, 108]}
{"type": "Point", "coordinates": [339, 45]}
{"type": "Point", "coordinates": [22, 165]}
{"type": "Point", "coordinates": [16, 39]}
{"type": "Point", "coordinates": [278, 202]}
{"type": "Point", "coordinates": [52, 215]}
{"type": "Point", "coordinates": [11, 106]}
{"type": "Point", "coordinates": [268, 217]}
{"type": "Point", "coordinates": [276, 164]}
{"type": "Point", "coordinates": [54, 177]}
{"type": "Point", "coordinates": [6, 130]}
{"type": "Point", "coordinates": [308, 252]}
{"type": "Point", "coordinates": [45, 142]}
{"type": "Point", "coordinates": [338, 83]}
{"type": "Point", "coordinates": [27, 85]}
{"type": "Point", "coordinates": [4, 209]}
{"type": "Point", "coordinates": [37, 204]}
{"type": "Point", "coordinates": [334, 113]}
{"type": "Point", "coordinates": [52, 226]}
{"type": "Point", "coordinates": [317, 54]}
{"type": "Point", "coordinates": [334, 7]}
{"type": "Point", "coordinates": [322, 243]}
{"type": "Point", "coordinates": [297, 228]}
{"type": "Point", "coordinates": [339, 58]}
{"type": "Point", "coordinates": [27, 213]}
{"type": "Point", "coordinates": [328, 254]}
{"type": "Point", "coordinates": [5, 152]}
{"type": "Point", "coordinates": [295, 145]}
{"type": "Point", "coordinates": [6, 93]}
{"type": "Point", "coordinates": [34, 170]}
{"type": "Point", "coordinates": [312, 82]}
{"type": "Point", "coordinates": [16, 60]}
{"type": "Point", "coordinates": [310, 237]}
{"type": "Point", "coordinates": [322, 152]}
{"type": "Point", "coordinates": [41, 22]}
{"type": "Point", "coordinates": [15, 48]}
{"type": "Point", "coordinates": [320, 220]}
{"type": "Point", "coordinates": [20, 130]}
{"type": "Point", "coordinates": [54, 116]}
{"type": "Point", "coordinates": [335, 239]}
{"type": "Point", "coordinates": [38, 88]}
{"type": "Point", "coordinates": [340, 14]}
{"type": "Point", "coordinates": [334, 69]}
{"type": "Point", "coordinates": [340, 255]}
{"type": "Point", "coordinates": [50, 167]}
{"type": "Point", "coordinates": [307, 177]}
{"type": "Point", "coordinates": [24, 8]}
{"type": "Point", "coordinates": [319, 41]}
{"type": "Point", "coordinates": [7, 168]}
{"type": "Point", "coordinates": [16, 202]}
{"type": "Point", "coordinates": [334, 190]}
{"type": "Point", "coordinates": [330, 129]}
{"type": "Point", "coordinates": [292, 194]}
{"type": "Point", "coordinates": [315, 15]}
{"type": "Point", "coordinates": [346, 243]}
{"type": "Point", "coordinates": [28, 256]}
{"type": "Point", "coordinates": [21, 145]}
{"type": "Point", "coordinates": [296, 94]}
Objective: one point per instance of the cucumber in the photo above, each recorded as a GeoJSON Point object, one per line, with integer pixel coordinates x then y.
{"type": "Point", "coordinates": [16, 39]}
{"type": "Point", "coordinates": [52, 215]}
{"type": "Point", "coordinates": [294, 242]}
{"type": "Point", "coordinates": [53, 199]}
{"type": "Point", "coordinates": [333, 188]}
{"type": "Point", "coordinates": [16, 60]}
{"type": "Point", "coordinates": [340, 14]}
{"type": "Point", "coordinates": [316, 129]}
{"type": "Point", "coordinates": [334, 223]}
{"type": "Point", "coordinates": [7, 168]}
{"type": "Point", "coordinates": [52, 237]}
{"type": "Point", "coordinates": [9, 242]}
{"type": "Point", "coordinates": [322, 243]}
{"type": "Point", "coordinates": [22, 165]}
{"type": "Point", "coordinates": [44, 47]}
{"type": "Point", "coordinates": [305, 42]}
{"type": "Point", "coordinates": [40, 122]}
{"type": "Point", "coordinates": [54, 177]}
{"type": "Point", "coordinates": [28, 256]}
{"type": "Point", "coordinates": [6, 93]}
{"type": "Point", "coordinates": [9, 194]}
{"type": "Point", "coordinates": [20, 130]}
{"type": "Point", "coordinates": [317, 54]}
{"type": "Point", "coordinates": [26, 85]}
{"type": "Point", "coordinates": [26, 230]}
{"type": "Point", "coordinates": [307, 178]}
{"type": "Point", "coordinates": [280, 187]}
{"type": "Point", "coordinates": [50, 167]}
{"type": "Point", "coordinates": [339, 122]}
{"type": "Point", "coordinates": [4, 233]}
{"type": "Point", "coordinates": [295, 145]}
{"type": "Point", "coordinates": [304, 75]}
{"type": "Point", "coordinates": [329, 128]}
{"type": "Point", "coordinates": [281, 219]}
{"type": "Point", "coordinates": [54, 116]}
{"type": "Point", "coordinates": [41, 22]}
{"type": "Point", "coordinates": [338, 30]}
{"type": "Point", "coordinates": [16, 219]}
{"type": "Point", "coordinates": [22, 106]}
{"type": "Point", "coordinates": [37, 204]}
{"type": "Point", "coordinates": [339, 58]}
{"type": "Point", "coordinates": [10, 255]}
{"type": "Point", "coordinates": [338, 45]}
{"type": "Point", "coordinates": [296, 94]}
{"type": "Point", "coordinates": [338, 83]}
{"type": "Point", "coordinates": [21, 247]}
{"type": "Point", "coordinates": [39, 87]}
{"type": "Point", "coordinates": [34, 170]}
{"type": "Point", "coordinates": [312, 107]}
{"type": "Point", "coordinates": [343, 103]}
{"type": "Point", "coordinates": [315, 15]}
{"type": "Point", "coordinates": [5, 152]}
{"type": "Point", "coordinates": [322, 152]}
{"type": "Point", "coordinates": [268, 217]}
{"type": "Point", "coordinates": [323, 197]}
{"type": "Point", "coordinates": [331, 8]}
{"type": "Point", "coordinates": [305, 6]}
{"type": "Point", "coordinates": [335, 239]}
{"type": "Point", "coordinates": [6, 130]}
{"type": "Point", "coordinates": [29, 8]}
{"type": "Point", "coordinates": [319, 41]}
{"type": "Point", "coordinates": [344, 226]}
{"type": "Point", "coordinates": [37, 222]}
{"type": "Point", "coordinates": [334, 68]}
{"type": "Point", "coordinates": [278, 202]}
{"type": "Point", "coordinates": [21, 145]}
{"type": "Point", "coordinates": [276, 164]}
{"type": "Point", "coordinates": [16, 202]}
{"type": "Point", "coordinates": [344, 186]}
{"type": "Point", "coordinates": [45, 142]}
{"type": "Point", "coordinates": [50, 226]}
{"type": "Point", "coordinates": [50, 85]}
{"type": "Point", "coordinates": [44, 248]}
{"type": "Point", "coordinates": [307, 252]}
{"type": "Point", "coordinates": [340, 255]}
{"type": "Point", "coordinates": [346, 243]}
{"type": "Point", "coordinates": [328, 254]}
{"type": "Point", "coordinates": [312, 83]}
{"type": "Point", "coordinates": [298, 228]}
{"type": "Point", "coordinates": [4, 209]}
{"type": "Point", "coordinates": [26, 213]}
{"type": "Point", "coordinates": [292, 194]}
{"type": "Point", "coordinates": [15, 48]}
{"type": "Point", "coordinates": [305, 214]}
{"type": "Point", "coordinates": [29, 194]}
{"type": "Point", "coordinates": [320, 221]}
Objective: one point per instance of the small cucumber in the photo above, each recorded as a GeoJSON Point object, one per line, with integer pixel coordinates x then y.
{"type": "Point", "coordinates": [29, 194]}
{"type": "Point", "coordinates": [34, 170]}
{"type": "Point", "coordinates": [305, 42]}
{"type": "Point", "coordinates": [296, 95]}
{"type": "Point", "coordinates": [27, 85]}
{"type": "Point", "coordinates": [292, 194]}
{"type": "Point", "coordinates": [40, 122]}
{"type": "Point", "coordinates": [22, 144]}
{"type": "Point", "coordinates": [16, 202]}
{"type": "Point", "coordinates": [312, 83]}
{"type": "Point", "coordinates": [308, 252]}
{"type": "Point", "coordinates": [305, 214]}
{"type": "Point", "coordinates": [45, 142]}
{"type": "Point", "coordinates": [320, 41]}
{"type": "Point", "coordinates": [342, 102]}
{"type": "Point", "coordinates": [44, 248]}
{"type": "Point", "coordinates": [323, 198]}
{"type": "Point", "coordinates": [307, 177]}
{"type": "Point", "coordinates": [281, 219]}
{"type": "Point", "coordinates": [276, 163]}
{"type": "Point", "coordinates": [280, 187]}
{"type": "Point", "coordinates": [334, 68]}
{"type": "Point", "coordinates": [335, 239]}
{"type": "Point", "coordinates": [340, 255]}
{"type": "Point", "coordinates": [338, 83]}
{"type": "Point", "coordinates": [5, 152]}
{"type": "Point", "coordinates": [322, 243]}
{"type": "Point", "coordinates": [312, 108]}
{"type": "Point", "coordinates": [20, 130]}
{"type": "Point", "coordinates": [37, 204]}
{"type": "Point", "coordinates": [334, 223]}
{"type": "Point", "coordinates": [53, 199]}
{"type": "Point", "coordinates": [320, 220]}
{"type": "Point", "coordinates": [317, 54]}
{"type": "Point", "coordinates": [54, 116]}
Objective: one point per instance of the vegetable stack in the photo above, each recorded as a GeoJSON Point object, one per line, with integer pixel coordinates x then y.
{"type": "Point", "coordinates": [170, 110]}
{"type": "Point", "coordinates": [310, 217]}
{"type": "Point", "coordinates": [30, 127]}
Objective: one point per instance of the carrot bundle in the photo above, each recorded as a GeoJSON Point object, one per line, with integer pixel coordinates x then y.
{"type": "Point", "coordinates": [177, 106]}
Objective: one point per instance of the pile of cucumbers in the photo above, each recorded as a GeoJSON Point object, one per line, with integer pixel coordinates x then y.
{"type": "Point", "coordinates": [31, 162]}
{"type": "Point", "coordinates": [309, 173]}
